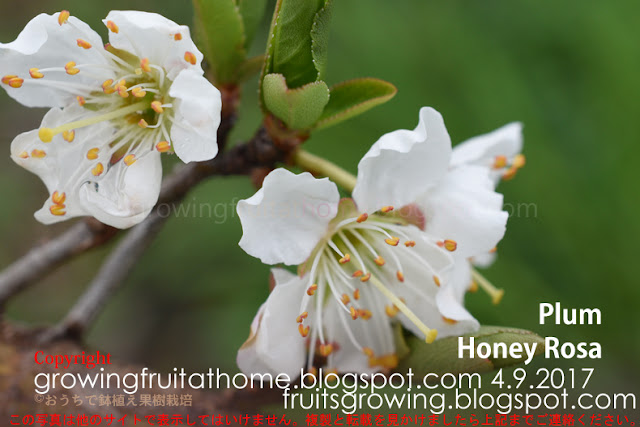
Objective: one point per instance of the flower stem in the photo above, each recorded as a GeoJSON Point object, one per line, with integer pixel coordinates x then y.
{"type": "Point", "coordinates": [324, 167]}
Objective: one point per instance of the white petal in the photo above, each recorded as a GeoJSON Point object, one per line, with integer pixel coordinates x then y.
{"type": "Point", "coordinates": [275, 346]}
{"type": "Point", "coordinates": [460, 279]}
{"type": "Point", "coordinates": [44, 43]}
{"type": "Point", "coordinates": [453, 309]}
{"type": "Point", "coordinates": [466, 209]}
{"type": "Point", "coordinates": [484, 260]}
{"type": "Point", "coordinates": [127, 194]}
{"type": "Point", "coordinates": [403, 164]}
{"type": "Point", "coordinates": [197, 107]}
{"type": "Point", "coordinates": [482, 150]}
{"type": "Point", "coordinates": [149, 35]}
{"type": "Point", "coordinates": [287, 217]}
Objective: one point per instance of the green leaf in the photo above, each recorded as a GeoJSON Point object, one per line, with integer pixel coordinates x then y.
{"type": "Point", "coordinates": [353, 97]}
{"type": "Point", "coordinates": [298, 108]}
{"type": "Point", "coordinates": [289, 50]}
{"type": "Point", "coordinates": [220, 34]}
{"type": "Point", "coordinates": [442, 356]}
{"type": "Point", "coordinates": [251, 12]}
{"type": "Point", "coordinates": [249, 68]}
{"type": "Point", "coordinates": [320, 39]}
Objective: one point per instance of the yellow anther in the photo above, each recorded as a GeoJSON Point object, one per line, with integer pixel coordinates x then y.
{"type": "Point", "coordinates": [107, 88]}
{"type": "Point", "coordinates": [143, 123]}
{"type": "Point", "coordinates": [35, 73]}
{"type": "Point", "coordinates": [393, 241]}
{"type": "Point", "coordinates": [312, 289]}
{"type": "Point", "coordinates": [38, 154]}
{"type": "Point", "coordinates": [57, 210]}
{"type": "Point", "coordinates": [157, 107]}
{"type": "Point", "coordinates": [431, 336]}
{"type": "Point", "coordinates": [144, 65]}
{"type": "Point", "coordinates": [519, 161]}
{"type": "Point", "coordinates": [63, 17]}
{"type": "Point", "coordinates": [368, 352]}
{"type": "Point", "coordinates": [16, 82]}
{"type": "Point", "coordinates": [354, 313]}
{"type": "Point", "coordinates": [301, 317]}
{"type": "Point", "coordinates": [410, 243]}
{"type": "Point", "coordinates": [391, 310]}
{"type": "Point", "coordinates": [356, 294]}
{"type": "Point", "coordinates": [93, 153]}
{"type": "Point", "coordinates": [190, 58]}
{"type": "Point", "coordinates": [450, 245]}
{"type": "Point", "coordinates": [138, 92]}
{"type": "Point", "coordinates": [58, 198]}
{"type": "Point", "coordinates": [366, 277]}
{"type": "Point", "coordinates": [449, 321]}
{"type": "Point", "coordinates": [365, 314]}
{"type": "Point", "coordinates": [400, 276]}
{"type": "Point", "coordinates": [112, 27]}
{"type": "Point", "coordinates": [345, 299]}
{"type": "Point", "coordinates": [70, 68]}
{"type": "Point", "coordinates": [357, 273]}
{"type": "Point", "coordinates": [46, 134]}
{"type": "Point", "coordinates": [8, 78]}
{"type": "Point", "coordinates": [304, 331]}
{"type": "Point", "coordinates": [386, 209]}
{"type": "Point", "coordinates": [69, 135]}
{"type": "Point", "coordinates": [83, 44]}
{"type": "Point", "coordinates": [345, 259]}
{"type": "Point", "coordinates": [436, 280]}
{"type": "Point", "coordinates": [325, 349]}
{"type": "Point", "coordinates": [177, 37]}
{"type": "Point", "coordinates": [363, 217]}
{"type": "Point", "coordinates": [129, 159]}
{"type": "Point", "coordinates": [122, 91]}
{"type": "Point", "coordinates": [473, 287]}
{"type": "Point", "coordinates": [23, 155]}
{"type": "Point", "coordinates": [499, 162]}
{"type": "Point", "coordinates": [510, 173]}
{"type": "Point", "coordinates": [389, 361]}
{"type": "Point", "coordinates": [81, 100]}
{"type": "Point", "coordinates": [163, 146]}
{"type": "Point", "coordinates": [379, 261]}
{"type": "Point", "coordinates": [97, 171]}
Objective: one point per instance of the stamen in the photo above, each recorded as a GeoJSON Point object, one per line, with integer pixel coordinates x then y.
{"type": "Point", "coordinates": [106, 87]}
{"type": "Point", "coordinates": [519, 161]}
{"type": "Point", "coordinates": [495, 293]}
{"type": "Point", "coordinates": [366, 277]}
{"type": "Point", "coordinates": [304, 331]}
{"type": "Point", "coordinates": [345, 259]}
{"type": "Point", "coordinates": [368, 352]}
{"type": "Point", "coordinates": [58, 198]}
{"type": "Point", "coordinates": [510, 173]}
{"type": "Point", "coordinates": [138, 92]}
{"type": "Point", "coordinates": [345, 299]}
{"type": "Point", "coordinates": [93, 153]}
{"type": "Point", "coordinates": [97, 171]}
{"type": "Point", "coordinates": [362, 218]}
{"type": "Point", "coordinates": [393, 241]}
{"type": "Point", "coordinates": [163, 146]}
{"type": "Point", "coordinates": [122, 91]}
{"type": "Point", "coordinates": [130, 159]}
{"type": "Point", "coordinates": [436, 280]}
{"type": "Point", "coordinates": [190, 58]}
{"type": "Point", "coordinates": [354, 313]}
{"type": "Point", "coordinates": [6, 79]}
{"type": "Point", "coordinates": [112, 27]}
{"type": "Point", "coordinates": [23, 155]}
{"type": "Point", "coordinates": [144, 64]}
{"type": "Point", "coordinates": [301, 317]}
{"type": "Point", "coordinates": [177, 37]}
{"type": "Point", "coordinates": [473, 287]}
{"type": "Point", "coordinates": [69, 135]}
{"type": "Point", "coordinates": [410, 243]}
{"type": "Point", "coordinates": [71, 69]}
{"type": "Point", "coordinates": [325, 349]}
{"type": "Point", "coordinates": [500, 162]}
{"type": "Point", "coordinates": [157, 107]}
{"type": "Point", "coordinates": [429, 333]}
{"type": "Point", "coordinates": [379, 261]}
{"type": "Point", "coordinates": [38, 154]}
{"type": "Point", "coordinates": [312, 289]}
{"type": "Point", "coordinates": [357, 273]}
{"type": "Point", "coordinates": [47, 134]}
{"type": "Point", "coordinates": [63, 17]}
{"type": "Point", "coordinates": [143, 123]}
{"type": "Point", "coordinates": [57, 210]}
{"type": "Point", "coordinates": [16, 82]}
{"type": "Point", "coordinates": [449, 321]}
{"type": "Point", "coordinates": [389, 361]}
{"type": "Point", "coordinates": [450, 245]}
{"type": "Point", "coordinates": [81, 100]}
{"type": "Point", "coordinates": [400, 276]}
{"type": "Point", "coordinates": [365, 314]}
{"type": "Point", "coordinates": [35, 73]}
{"type": "Point", "coordinates": [356, 294]}
{"type": "Point", "coordinates": [386, 209]}
{"type": "Point", "coordinates": [84, 44]}
{"type": "Point", "coordinates": [391, 310]}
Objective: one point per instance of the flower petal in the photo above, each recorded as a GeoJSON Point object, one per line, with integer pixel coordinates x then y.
{"type": "Point", "coordinates": [149, 35]}
{"type": "Point", "coordinates": [275, 346]}
{"type": "Point", "coordinates": [197, 107]}
{"type": "Point", "coordinates": [287, 217]}
{"type": "Point", "coordinates": [43, 44]}
{"type": "Point", "coordinates": [466, 209]}
{"type": "Point", "coordinates": [458, 320]}
{"type": "Point", "coordinates": [482, 150]}
{"type": "Point", "coordinates": [403, 164]}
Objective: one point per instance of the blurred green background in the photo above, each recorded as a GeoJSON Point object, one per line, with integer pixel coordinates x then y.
{"type": "Point", "coordinates": [568, 70]}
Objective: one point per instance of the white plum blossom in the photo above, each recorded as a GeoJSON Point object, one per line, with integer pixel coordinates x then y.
{"type": "Point", "coordinates": [114, 109]}
{"type": "Point", "coordinates": [366, 263]}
